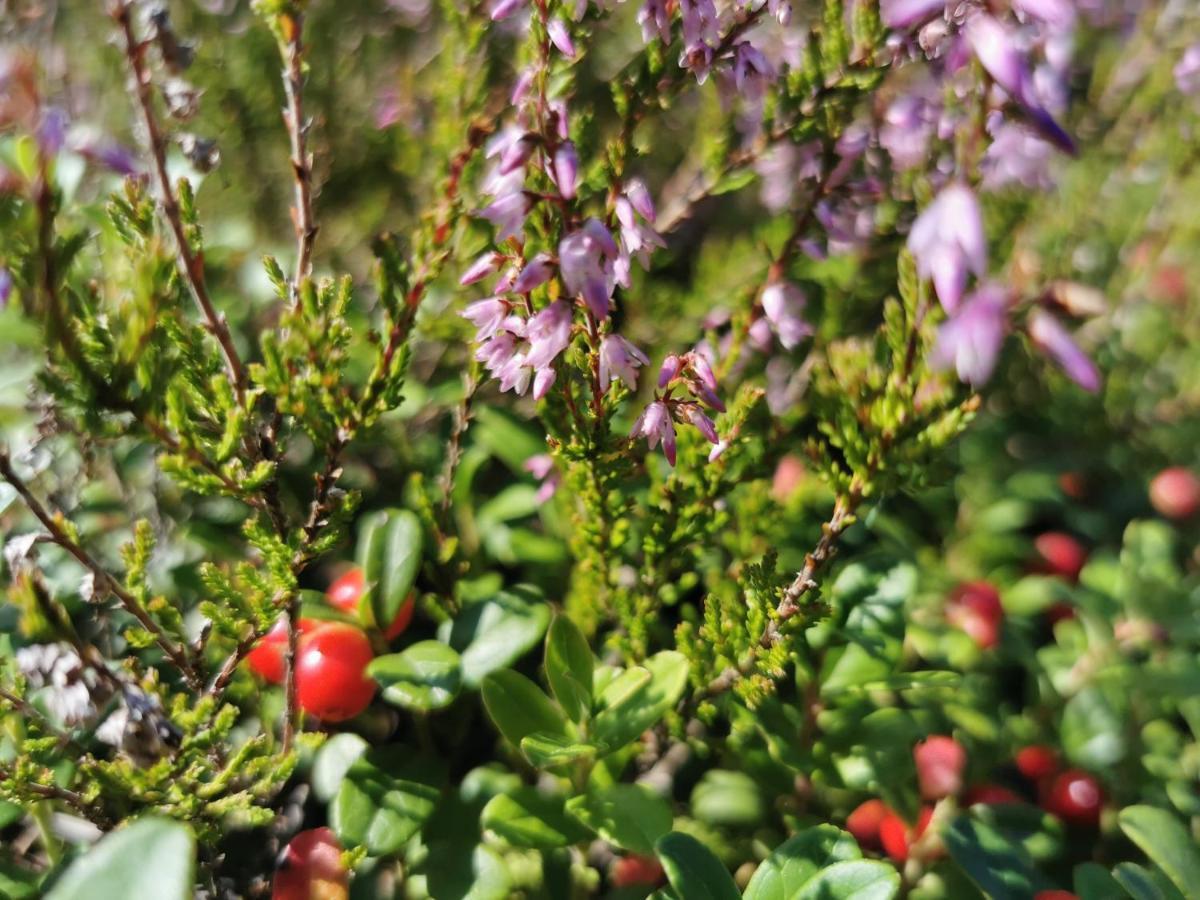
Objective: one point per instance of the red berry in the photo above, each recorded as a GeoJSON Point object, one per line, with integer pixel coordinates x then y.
{"type": "Point", "coordinates": [267, 657]}
{"type": "Point", "coordinates": [1175, 493]}
{"type": "Point", "coordinates": [1075, 797]}
{"type": "Point", "coordinates": [991, 794]}
{"type": "Point", "coordinates": [975, 608]}
{"type": "Point", "coordinates": [634, 869]}
{"type": "Point", "coordinates": [1055, 895]}
{"type": "Point", "coordinates": [331, 683]}
{"type": "Point", "coordinates": [897, 837]}
{"type": "Point", "coordinates": [348, 589]}
{"type": "Point", "coordinates": [1037, 762]}
{"type": "Point", "coordinates": [1060, 554]}
{"type": "Point", "coordinates": [310, 868]}
{"type": "Point", "coordinates": [940, 762]}
{"type": "Point", "coordinates": [864, 823]}
{"type": "Point", "coordinates": [1073, 484]}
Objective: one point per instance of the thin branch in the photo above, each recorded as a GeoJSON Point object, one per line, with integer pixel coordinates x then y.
{"type": "Point", "coordinates": [191, 265]}
{"type": "Point", "coordinates": [176, 653]}
{"type": "Point", "coordinates": [293, 117]}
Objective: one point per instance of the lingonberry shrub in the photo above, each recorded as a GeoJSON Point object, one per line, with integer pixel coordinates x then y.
{"type": "Point", "coordinates": [564, 448]}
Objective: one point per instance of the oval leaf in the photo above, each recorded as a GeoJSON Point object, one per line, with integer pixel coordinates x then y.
{"type": "Point", "coordinates": [153, 857]}
{"type": "Point", "coordinates": [519, 707]}
{"type": "Point", "coordinates": [496, 631]}
{"type": "Point", "coordinates": [643, 707]}
{"type": "Point", "coordinates": [389, 553]}
{"type": "Point", "coordinates": [569, 668]}
{"type": "Point", "coordinates": [631, 816]}
{"type": "Point", "coordinates": [425, 676]}
{"type": "Point", "coordinates": [333, 761]}
{"type": "Point", "coordinates": [795, 862]}
{"type": "Point", "coordinates": [527, 818]}
{"type": "Point", "coordinates": [1164, 839]}
{"type": "Point", "coordinates": [384, 799]}
{"type": "Point", "coordinates": [856, 879]}
{"type": "Point", "coordinates": [693, 870]}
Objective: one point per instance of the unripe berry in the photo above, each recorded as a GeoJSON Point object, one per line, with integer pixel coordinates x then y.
{"type": "Point", "coordinates": [1175, 493]}
{"type": "Point", "coordinates": [310, 868]}
{"type": "Point", "coordinates": [940, 762]}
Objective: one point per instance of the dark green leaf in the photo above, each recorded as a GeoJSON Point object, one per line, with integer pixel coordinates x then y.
{"type": "Point", "coordinates": [794, 863]}
{"type": "Point", "coordinates": [527, 818]}
{"type": "Point", "coordinates": [1166, 841]}
{"type": "Point", "coordinates": [1000, 868]}
{"type": "Point", "coordinates": [643, 707]}
{"type": "Point", "coordinates": [569, 668]}
{"type": "Point", "coordinates": [519, 707]}
{"type": "Point", "coordinates": [630, 816]}
{"type": "Point", "coordinates": [495, 632]}
{"type": "Point", "coordinates": [333, 761]}
{"type": "Point", "coordinates": [425, 676]}
{"type": "Point", "coordinates": [389, 553]}
{"type": "Point", "coordinates": [385, 797]}
{"type": "Point", "coordinates": [153, 857]}
{"type": "Point", "coordinates": [693, 870]}
{"type": "Point", "coordinates": [855, 879]}
{"type": "Point", "coordinates": [727, 799]}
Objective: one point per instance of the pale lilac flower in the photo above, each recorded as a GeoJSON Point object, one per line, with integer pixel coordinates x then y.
{"type": "Point", "coordinates": [543, 380]}
{"type": "Point", "coordinates": [6, 287]}
{"type": "Point", "coordinates": [655, 21]}
{"type": "Point", "coordinates": [1053, 339]}
{"type": "Point", "coordinates": [669, 370]}
{"type": "Point", "coordinates": [1187, 70]}
{"type": "Point", "coordinates": [759, 335]}
{"type": "Point", "coordinates": [516, 154]}
{"type": "Point", "coordinates": [560, 37]}
{"type": "Point", "coordinates": [907, 127]}
{"type": "Point", "coordinates": [907, 13]}
{"type": "Point", "coordinates": [52, 130]}
{"type": "Point", "coordinates": [536, 272]}
{"type": "Point", "coordinates": [559, 117]}
{"type": "Point", "coordinates": [751, 71]}
{"type": "Point", "coordinates": [715, 453]}
{"type": "Point", "coordinates": [541, 467]}
{"type": "Point", "coordinates": [620, 359]}
{"type": "Point", "coordinates": [586, 262]}
{"type": "Point", "coordinates": [502, 9]}
{"type": "Point", "coordinates": [102, 152]}
{"type": "Point", "coordinates": [783, 167]}
{"type": "Point", "coordinates": [1058, 13]}
{"type": "Point", "coordinates": [566, 169]}
{"type": "Point", "coordinates": [523, 84]}
{"type": "Point", "coordinates": [783, 303]}
{"type": "Point", "coordinates": [781, 10]}
{"type": "Point", "coordinates": [484, 266]}
{"type": "Point", "coordinates": [487, 316]}
{"type": "Point", "coordinates": [969, 341]}
{"type": "Point", "coordinates": [637, 239]}
{"type": "Point", "coordinates": [947, 241]}
{"type": "Point", "coordinates": [507, 214]}
{"type": "Point", "coordinates": [502, 349]}
{"type": "Point", "coordinates": [654, 424]}
{"type": "Point", "coordinates": [549, 333]}
{"type": "Point", "coordinates": [640, 199]}
{"type": "Point", "coordinates": [1017, 156]}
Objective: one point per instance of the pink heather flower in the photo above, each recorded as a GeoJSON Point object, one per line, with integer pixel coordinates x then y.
{"type": "Point", "coordinates": [1017, 156]}
{"type": "Point", "coordinates": [715, 453]}
{"type": "Point", "coordinates": [1187, 70]}
{"type": "Point", "coordinates": [947, 240]}
{"type": "Point", "coordinates": [907, 127]}
{"type": "Point", "coordinates": [751, 71]}
{"type": "Point", "coordinates": [903, 14]}
{"type": "Point", "coordinates": [637, 239]}
{"type": "Point", "coordinates": [503, 347]}
{"type": "Point", "coordinates": [700, 22]}
{"type": "Point", "coordinates": [541, 467]}
{"type": "Point", "coordinates": [586, 263]}
{"type": "Point", "coordinates": [6, 287]}
{"type": "Point", "coordinates": [502, 9]}
{"type": "Point", "coordinates": [566, 169]}
{"type": "Point", "coordinates": [507, 214]}
{"type": "Point", "coordinates": [481, 268]}
{"type": "Point", "coordinates": [487, 316]}
{"type": "Point", "coordinates": [655, 21]}
{"type": "Point", "coordinates": [669, 370]}
{"type": "Point", "coordinates": [536, 272]}
{"type": "Point", "coordinates": [781, 10]}
{"type": "Point", "coordinates": [703, 423]}
{"type": "Point", "coordinates": [543, 380]}
{"type": "Point", "coordinates": [783, 304]}
{"type": "Point", "coordinates": [640, 199]}
{"type": "Point", "coordinates": [1059, 14]}
{"type": "Point", "coordinates": [549, 334]}
{"type": "Point", "coordinates": [562, 122]}
{"type": "Point", "coordinates": [619, 359]}
{"type": "Point", "coordinates": [970, 340]}
{"type": "Point", "coordinates": [1053, 340]}
{"type": "Point", "coordinates": [52, 130]}
{"type": "Point", "coordinates": [524, 83]}
{"type": "Point", "coordinates": [516, 154]}
{"type": "Point", "coordinates": [654, 424]}
{"type": "Point", "coordinates": [560, 37]}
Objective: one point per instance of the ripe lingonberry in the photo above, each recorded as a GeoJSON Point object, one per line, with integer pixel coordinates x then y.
{"type": "Point", "coordinates": [975, 608]}
{"type": "Point", "coordinates": [267, 657]}
{"type": "Point", "coordinates": [864, 823]}
{"type": "Point", "coordinates": [940, 762]}
{"type": "Point", "coordinates": [1037, 762]}
{"type": "Point", "coordinates": [310, 868]}
{"type": "Point", "coordinates": [348, 589]}
{"type": "Point", "coordinates": [1074, 796]}
{"type": "Point", "coordinates": [331, 683]}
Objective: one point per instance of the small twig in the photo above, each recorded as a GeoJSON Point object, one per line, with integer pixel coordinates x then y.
{"type": "Point", "coordinates": [191, 265]}
{"type": "Point", "coordinates": [53, 792]}
{"type": "Point", "coordinates": [291, 710]}
{"type": "Point", "coordinates": [104, 580]}
{"type": "Point", "coordinates": [293, 117]}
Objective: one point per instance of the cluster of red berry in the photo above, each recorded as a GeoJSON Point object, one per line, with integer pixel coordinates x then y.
{"type": "Point", "coordinates": [331, 657]}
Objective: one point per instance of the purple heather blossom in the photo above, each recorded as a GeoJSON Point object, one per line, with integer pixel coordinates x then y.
{"type": "Point", "coordinates": [484, 266]}
{"type": "Point", "coordinates": [783, 303]}
{"type": "Point", "coordinates": [559, 116]}
{"type": "Point", "coordinates": [781, 10]}
{"type": "Point", "coordinates": [586, 261]}
{"type": "Point", "coordinates": [620, 359]}
{"type": "Point", "coordinates": [703, 423]}
{"type": "Point", "coordinates": [516, 154]}
{"type": "Point", "coordinates": [902, 14]}
{"type": "Point", "coordinates": [669, 370]}
{"type": "Point", "coordinates": [969, 341]}
{"type": "Point", "coordinates": [1187, 70]}
{"type": "Point", "coordinates": [1053, 339]}
{"type": "Point", "coordinates": [947, 240]}
{"type": "Point", "coordinates": [52, 130]}
{"type": "Point", "coordinates": [654, 424]}
{"type": "Point", "coordinates": [543, 380]}
{"type": "Point", "coordinates": [523, 84]}
{"type": "Point", "coordinates": [751, 71]}
{"type": "Point", "coordinates": [507, 213]}
{"type": "Point", "coordinates": [536, 272]}
{"type": "Point", "coordinates": [502, 9]}
{"type": "Point", "coordinates": [566, 169]}
{"type": "Point", "coordinates": [560, 37]}
{"type": "Point", "coordinates": [487, 316]}
{"type": "Point", "coordinates": [759, 335]}
{"type": "Point", "coordinates": [1017, 156]}
{"type": "Point", "coordinates": [637, 239]}
{"type": "Point", "coordinates": [640, 199]}
{"type": "Point", "coordinates": [1059, 14]}
{"type": "Point", "coordinates": [549, 334]}
{"type": "Point", "coordinates": [541, 467]}
{"type": "Point", "coordinates": [907, 127]}
{"type": "Point", "coordinates": [655, 21]}
{"type": "Point", "coordinates": [784, 166]}
{"type": "Point", "coordinates": [6, 286]}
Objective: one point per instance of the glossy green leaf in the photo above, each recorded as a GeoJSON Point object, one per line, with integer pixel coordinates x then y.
{"type": "Point", "coordinates": [389, 553]}
{"type": "Point", "coordinates": [728, 799]}
{"type": "Point", "coordinates": [569, 668]}
{"type": "Point", "coordinates": [1001, 868]}
{"type": "Point", "coordinates": [519, 707]}
{"type": "Point", "coordinates": [153, 857]}
{"type": "Point", "coordinates": [423, 677]}
{"type": "Point", "coordinates": [496, 631]}
{"type": "Point", "coordinates": [1095, 882]}
{"type": "Point", "coordinates": [385, 798]}
{"type": "Point", "coordinates": [855, 879]}
{"type": "Point", "coordinates": [1142, 883]}
{"type": "Point", "coordinates": [795, 862]}
{"type": "Point", "coordinates": [332, 761]}
{"type": "Point", "coordinates": [546, 751]}
{"type": "Point", "coordinates": [630, 816]}
{"type": "Point", "coordinates": [693, 870]}
{"type": "Point", "coordinates": [643, 707]}
{"type": "Point", "coordinates": [528, 818]}
{"type": "Point", "coordinates": [1165, 840]}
